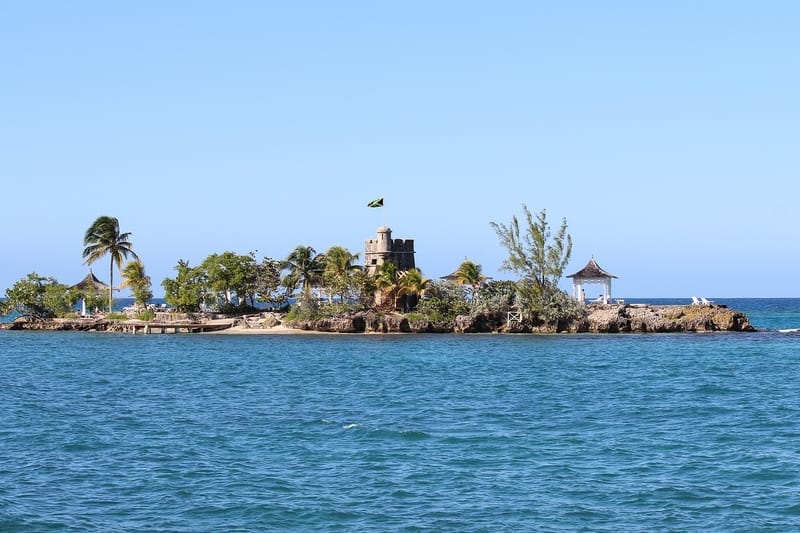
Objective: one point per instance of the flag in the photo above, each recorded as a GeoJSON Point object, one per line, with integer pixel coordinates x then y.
{"type": "Point", "coordinates": [376, 203]}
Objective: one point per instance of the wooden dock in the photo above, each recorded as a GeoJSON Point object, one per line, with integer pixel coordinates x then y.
{"type": "Point", "coordinates": [177, 327]}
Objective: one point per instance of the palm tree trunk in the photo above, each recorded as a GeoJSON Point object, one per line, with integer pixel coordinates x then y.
{"type": "Point", "coordinates": [111, 286]}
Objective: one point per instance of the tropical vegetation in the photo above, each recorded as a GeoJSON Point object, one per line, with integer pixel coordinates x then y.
{"type": "Point", "coordinates": [39, 297]}
{"type": "Point", "coordinates": [469, 274]}
{"type": "Point", "coordinates": [135, 279]}
{"type": "Point", "coordinates": [539, 257]}
{"type": "Point", "coordinates": [105, 238]}
{"type": "Point", "coordinates": [314, 285]}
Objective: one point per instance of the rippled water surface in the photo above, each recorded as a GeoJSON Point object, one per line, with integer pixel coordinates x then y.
{"type": "Point", "coordinates": [420, 432]}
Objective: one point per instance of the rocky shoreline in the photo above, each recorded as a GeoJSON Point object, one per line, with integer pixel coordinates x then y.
{"type": "Point", "coordinates": [637, 318]}
{"type": "Point", "coordinates": [618, 318]}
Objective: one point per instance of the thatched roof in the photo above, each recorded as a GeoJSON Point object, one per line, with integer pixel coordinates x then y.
{"type": "Point", "coordinates": [90, 283]}
{"type": "Point", "coordinates": [450, 277]}
{"type": "Point", "coordinates": [591, 271]}
{"type": "Point", "coordinates": [454, 276]}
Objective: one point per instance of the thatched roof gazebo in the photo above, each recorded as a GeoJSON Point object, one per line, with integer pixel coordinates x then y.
{"type": "Point", "coordinates": [591, 274]}
{"type": "Point", "coordinates": [89, 284]}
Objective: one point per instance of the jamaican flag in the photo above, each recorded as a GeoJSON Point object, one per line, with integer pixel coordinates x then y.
{"type": "Point", "coordinates": [376, 203]}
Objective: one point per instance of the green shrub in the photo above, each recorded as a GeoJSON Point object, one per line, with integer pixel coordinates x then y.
{"type": "Point", "coordinates": [146, 315]}
{"type": "Point", "coordinates": [416, 317]}
{"type": "Point", "coordinates": [495, 298]}
{"type": "Point", "coordinates": [438, 309]}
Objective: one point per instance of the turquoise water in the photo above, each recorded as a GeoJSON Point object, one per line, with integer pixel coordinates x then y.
{"type": "Point", "coordinates": [110, 432]}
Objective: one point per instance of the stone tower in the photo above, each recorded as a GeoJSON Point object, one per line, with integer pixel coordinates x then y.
{"type": "Point", "coordinates": [383, 249]}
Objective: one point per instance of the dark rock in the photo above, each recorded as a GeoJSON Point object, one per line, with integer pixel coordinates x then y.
{"type": "Point", "coordinates": [596, 319]}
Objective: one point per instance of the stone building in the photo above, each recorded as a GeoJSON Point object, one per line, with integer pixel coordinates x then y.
{"type": "Point", "coordinates": [383, 249]}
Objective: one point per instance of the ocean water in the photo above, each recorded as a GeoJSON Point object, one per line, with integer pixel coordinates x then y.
{"type": "Point", "coordinates": [190, 432]}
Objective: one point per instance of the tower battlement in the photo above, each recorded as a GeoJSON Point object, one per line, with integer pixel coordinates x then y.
{"type": "Point", "coordinates": [384, 249]}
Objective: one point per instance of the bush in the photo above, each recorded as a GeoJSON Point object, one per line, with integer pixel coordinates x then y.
{"type": "Point", "coordinates": [558, 306]}
{"type": "Point", "coordinates": [146, 315]}
{"type": "Point", "coordinates": [303, 309]}
{"type": "Point", "coordinates": [494, 299]}
{"type": "Point", "coordinates": [416, 317]}
{"type": "Point", "coordinates": [443, 302]}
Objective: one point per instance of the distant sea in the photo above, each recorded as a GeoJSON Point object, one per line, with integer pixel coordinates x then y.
{"type": "Point", "coordinates": [207, 432]}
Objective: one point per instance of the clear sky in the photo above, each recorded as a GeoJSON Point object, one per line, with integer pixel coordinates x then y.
{"type": "Point", "coordinates": [666, 133]}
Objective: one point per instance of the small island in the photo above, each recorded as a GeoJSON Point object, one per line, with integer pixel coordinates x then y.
{"type": "Point", "coordinates": [331, 293]}
{"type": "Point", "coordinates": [598, 318]}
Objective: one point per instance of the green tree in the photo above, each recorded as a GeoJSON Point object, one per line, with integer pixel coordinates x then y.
{"type": "Point", "coordinates": [104, 237]}
{"type": "Point", "coordinates": [339, 273]}
{"type": "Point", "coordinates": [93, 299]}
{"type": "Point", "coordinates": [538, 256]}
{"type": "Point", "coordinates": [268, 281]}
{"type": "Point", "coordinates": [39, 297]}
{"type": "Point", "coordinates": [232, 278]}
{"type": "Point", "coordinates": [412, 285]}
{"type": "Point", "coordinates": [305, 268]}
{"type": "Point", "coordinates": [188, 290]}
{"type": "Point", "coordinates": [364, 287]}
{"type": "Point", "coordinates": [135, 278]}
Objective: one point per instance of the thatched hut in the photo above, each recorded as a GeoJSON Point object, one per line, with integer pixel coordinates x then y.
{"type": "Point", "coordinates": [89, 284]}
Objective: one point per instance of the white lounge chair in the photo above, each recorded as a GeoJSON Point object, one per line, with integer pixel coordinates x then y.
{"type": "Point", "coordinates": [696, 300]}
{"type": "Point", "coordinates": [704, 301]}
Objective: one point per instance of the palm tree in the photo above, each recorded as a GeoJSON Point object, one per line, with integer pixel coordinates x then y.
{"type": "Point", "coordinates": [305, 269]}
{"type": "Point", "coordinates": [386, 281]}
{"type": "Point", "coordinates": [469, 273]}
{"type": "Point", "coordinates": [133, 276]}
{"type": "Point", "coordinates": [103, 237]}
{"type": "Point", "coordinates": [412, 283]}
{"type": "Point", "coordinates": [339, 270]}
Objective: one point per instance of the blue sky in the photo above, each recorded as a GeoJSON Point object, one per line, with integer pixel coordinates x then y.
{"type": "Point", "coordinates": [664, 132]}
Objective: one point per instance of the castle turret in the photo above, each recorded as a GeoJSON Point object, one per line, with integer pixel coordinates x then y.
{"type": "Point", "coordinates": [384, 243]}
{"type": "Point", "coordinates": [383, 249]}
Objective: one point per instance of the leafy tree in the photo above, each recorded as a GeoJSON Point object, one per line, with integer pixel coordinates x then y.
{"type": "Point", "coordinates": [232, 278]}
{"type": "Point", "coordinates": [365, 288]}
{"type": "Point", "coordinates": [93, 299]}
{"type": "Point", "coordinates": [134, 277]}
{"type": "Point", "coordinates": [268, 281]}
{"type": "Point", "coordinates": [305, 269]}
{"type": "Point", "coordinates": [187, 291]}
{"type": "Point", "coordinates": [228, 281]}
{"type": "Point", "coordinates": [339, 273]}
{"type": "Point", "coordinates": [39, 297]}
{"type": "Point", "coordinates": [412, 285]}
{"type": "Point", "coordinates": [537, 256]}
{"type": "Point", "coordinates": [104, 237]}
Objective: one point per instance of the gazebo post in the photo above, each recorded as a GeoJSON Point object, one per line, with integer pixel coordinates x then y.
{"type": "Point", "coordinates": [577, 291]}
